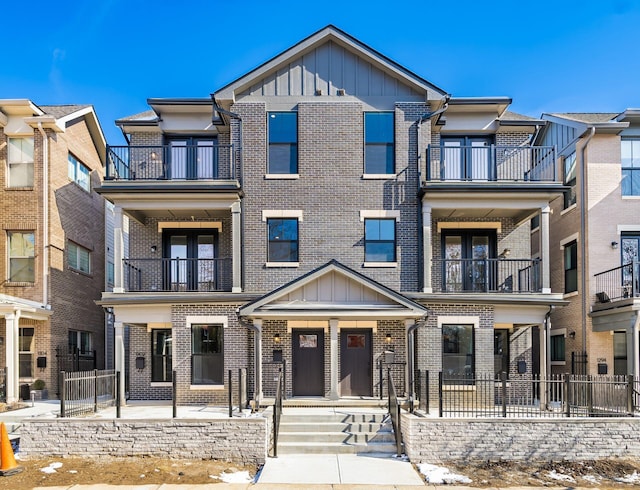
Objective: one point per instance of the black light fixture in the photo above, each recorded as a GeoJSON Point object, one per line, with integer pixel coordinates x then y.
{"type": "Point", "coordinates": [572, 334]}
{"type": "Point", "coordinates": [276, 338]}
{"type": "Point", "coordinates": [614, 244]}
{"type": "Point", "coordinates": [154, 248]}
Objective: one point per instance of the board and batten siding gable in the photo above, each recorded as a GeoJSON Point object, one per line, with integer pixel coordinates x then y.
{"type": "Point", "coordinates": [328, 68]}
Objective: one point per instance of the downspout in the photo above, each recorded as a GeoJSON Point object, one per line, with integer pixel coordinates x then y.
{"type": "Point", "coordinates": [257, 349]}
{"type": "Point", "coordinates": [411, 359]}
{"type": "Point", "coordinates": [427, 117]}
{"type": "Point", "coordinates": [583, 240]}
{"type": "Point", "coordinates": [235, 116]}
{"type": "Point", "coordinates": [45, 216]}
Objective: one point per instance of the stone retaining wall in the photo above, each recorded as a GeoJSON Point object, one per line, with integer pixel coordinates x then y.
{"type": "Point", "coordinates": [238, 440]}
{"type": "Point", "coordinates": [432, 440]}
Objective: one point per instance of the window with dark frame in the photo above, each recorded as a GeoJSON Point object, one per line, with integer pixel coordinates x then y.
{"type": "Point", "coordinates": [207, 354]}
{"type": "Point", "coordinates": [620, 353]}
{"type": "Point", "coordinates": [283, 240]}
{"type": "Point", "coordinates": [557, 343]}
{"type": "Point", "coordinates": [501, 350]}
{"type": "Point", "coordinates": [571, 267]}
{"type": "Point", "coordinates": [380, 240]}
{"type": "Point", "coordinates": [457, 351]}
{"type": "Point", "coordinates": [161, 364]}
{"type": "Point", "coordinates": [379, 137]}
{"type": "Point", "coordinates": [570, 179]}
{"type": "Point", "coordinates": [283, 142]}
{"type": "Point", "coordinates": [630, 156]}
{"type": "Point", "coordinates": [81, 342]}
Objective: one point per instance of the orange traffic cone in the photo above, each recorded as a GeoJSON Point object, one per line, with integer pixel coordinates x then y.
{"type": "Point", "coordinates": [8, 465]}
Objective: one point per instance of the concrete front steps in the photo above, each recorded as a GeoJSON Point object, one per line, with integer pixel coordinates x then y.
{"type": "Point", "coordinates": [339, 430]}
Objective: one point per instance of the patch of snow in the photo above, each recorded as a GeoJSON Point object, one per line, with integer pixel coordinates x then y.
{"type": "Point", "coordinates": [633, 478]}
{"type": "Point", "coordinates": [592, 478]}
{"type": "Point", "coordinates": [439, 475]}
{"type": "Point", "coordinates": [72, 471]}
{"type": "Point", "coordinates": [560, 477]}
{"type": "Point", "coordinates": [52, 468]}
{"type": "Point", "coordinates": [238, 477]}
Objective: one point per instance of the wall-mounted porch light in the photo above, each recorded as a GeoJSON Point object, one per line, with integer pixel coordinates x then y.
{"type": "Point", "coordinates": [614, 244]}
{"type": "Point", "coordinates": [388, 338]}
{"type": "Point", "coordinates": [276, 338]}
{"type": "Point", "coordinates": [154, 248]}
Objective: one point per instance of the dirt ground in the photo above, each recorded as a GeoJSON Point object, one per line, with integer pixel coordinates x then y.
{"type": "Point", "coordinates": [130, 471]}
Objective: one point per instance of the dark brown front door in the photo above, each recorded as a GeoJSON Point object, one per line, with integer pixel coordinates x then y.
{"type": "Point", "coordinates": [355, 363]}
{"type": "Point", "coordinates": [308, 362]}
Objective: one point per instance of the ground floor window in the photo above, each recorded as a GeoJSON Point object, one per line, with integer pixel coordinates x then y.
{"type": "Point", "coordinates": [457, 350]}
{"type": "Point", "coordinates": [207, 361]}
{"type": "Point", "coordinates": [557, 348]}
{"type": "Point", "coordinates": [26, 348]}
{"type": "Point", "coordinates": [80, 342]}
{"type": "Point", "coordinates": [501, 351]}
{"type": "Point", "coordinates": [161, 366]}
{"type": "Point", "coordinates": [620, 353]}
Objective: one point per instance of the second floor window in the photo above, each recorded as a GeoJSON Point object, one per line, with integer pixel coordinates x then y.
{"type": "Point", "coordinates": [380, 240]}
{"type": "Point", "coordinates": [22, 256]}
{"type": "Point", "coordinates": [283, 142]}
{"type": "Point", "coordinates": [79, 173]}
{"type": "Point", "coordinates": [630, 150]}
{"type": "Point", "coordinates": [79, 258]}
{"type": "Point", "coordinates": [20, 160]}
{"type": "Point", "coordinates": [570, 179]}
{"type": "Point", "coordinates": [379, 148]}
{"type": "Point", "coordinates": [283, 240]}
{"type": "Point", "coordinates": [571, 267]}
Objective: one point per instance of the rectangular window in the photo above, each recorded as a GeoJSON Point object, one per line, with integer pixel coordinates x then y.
{"type": "Point", "coordinates": [283, 240]}
{"type": "Point", "coordinates": [21, 256]}
{"type": "Point", "coordinates": [26, 349]}
{"type": "Point", "coordinates": [379, 152]}
{"type": "Point", "coordinates": [207, 361]}
{"type": "Point", "coordinates": [501, 351]}
{"type": "Point", "coordinates": [79, 173]}
{"type": "Point", "coordinates": [457, 351]}
{"type": "Point", "coordinates": [380, 240]}
{"type": "Point", "coordinates": [79, 258]}
{"type": "Point", "coordinates": [535, 222]}
{"type": "Point", "coordinates": [571, 267]}
{"type": "Point", "coordinates": [110, 274]}
{"type": "Point", "coordinates": [20, 159]}
{"type": "Point", "coordinates": [283, 142]}
{"type": "Point", "coordinates": [620, 353]}
{"type": "Point", "coordinates": [557, 348]}
{"type": "Point", "coordinates": [161, 366]}
{"type": "Point", "coordinates": [570, 179]}
{"type": "Point", "coordinates": [80, 342]}
{"type": "Point", "coordinates": [630, 166]}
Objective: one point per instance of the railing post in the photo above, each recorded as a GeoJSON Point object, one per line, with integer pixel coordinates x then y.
{"type": "Point", "coordinates": [174, 393]}
{"type": "Point", "coordinates": [284, 379]}
{"type": "Point", "coordinates": [440, 394]}
{"type": "Point", "coordinates": [630, 407]}
{"type": "Point", "coordinates": [590, 394]}
{"type": "Point", "coordinates": [118, 400]}
{"type": "Point", "coordinates": [503, 378]}
{"type": "Point", "coordinates": [566, 390]}
{"type": "Point", "coordinates": [62, 394]}
{"type": "Point", "coordinates": [240, 390]}
{"type": "Point", "coordinates": [380, 376]}
{"type": "Point", "coordinates": [95, 390]}
{"type": "Point", "coordinates": [634, 278]}
{"type": "Point", "coordinates": [230, 395]}
{"type": "Point", "coordinates": [426, 391]}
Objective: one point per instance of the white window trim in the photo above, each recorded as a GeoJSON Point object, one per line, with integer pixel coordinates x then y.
{"type": "Point", "coordinates": [282, 264]}
{"type": "Point", "coordinates": [9, 257]}
{"type": "Point", "coordinates": [209, 319]}
{"type": "Point", "coordinates": [570, 208]}
{"type": "Point", "coordinates": [282, 213]}
{"type": "Point", "coordinates": [627, 228]}
{"type": "Point", "coordinates": [9, 163]}
{"type": "Point", "coordinates": [281, 176]}
{"type": "Point", "coordinates": [380, 264]}
{"type": "Point", "coordinates": [379, 214]}
{"type": "Point", "coordinates": [571, 238]}
{"type": "Point", "coordinates": [379, 176]}
{"type": "Point", "coordinates": [461, 320]}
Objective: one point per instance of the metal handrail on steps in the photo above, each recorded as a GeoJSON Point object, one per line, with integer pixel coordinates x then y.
{"type": "Point", "coordinates": [277, 413]}
{"type": "Point", "coordinates": [394, 413]}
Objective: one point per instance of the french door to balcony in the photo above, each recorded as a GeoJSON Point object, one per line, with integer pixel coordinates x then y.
{"type": "Point", "coordinates": [466, 266]}
{"type": "Point", "coordinates": [193, 159]}
{"type": "Point", "coordinates": [189, 260]}
{"type": "Point", "coordinates": [467, 158]}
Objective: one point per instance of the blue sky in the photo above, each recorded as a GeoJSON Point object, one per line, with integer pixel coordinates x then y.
{"type": "Point", "coordinates": [549, 56]}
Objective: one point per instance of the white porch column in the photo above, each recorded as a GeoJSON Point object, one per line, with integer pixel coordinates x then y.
{"type": "Point", "coordinates": [257, 347]}
{"type": "Point", "coordinates": [544, 372]}
{"type": "Point", "coordinates": [236, 241]}
{"type": "Point", "coordinates": [118, 250]}
{"type": "Point", "coordinates": [333, 353]}
{"type": "Point", "coordinates": [12, 321]}
{"type": "Point", "coordinates": [409, 389]}
{"type": "Point", "coordinates": [544, 249]}
{"type": "Point", "coordinates": [119, 357]}
{"type": "Point", "coordinates": [633, 349]}
{"type": "Point", "coordinates": [426, 248]}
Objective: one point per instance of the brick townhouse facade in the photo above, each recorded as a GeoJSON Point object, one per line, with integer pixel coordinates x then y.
{"type": "Point", "coordinates": [326, 208]}
{"type": "Point", "coordinates": [52, 245]}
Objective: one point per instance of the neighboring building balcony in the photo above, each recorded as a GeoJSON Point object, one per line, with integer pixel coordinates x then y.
{"type": "Point", "coordinates": [521, 165]}
{"type": "Point", "coordinates": [196, 162]}
{"type": "Point", "coordinates": [495, 275]}
{"type": "Point", "coordinates": [618, 284]}
{"type": "Point", "coordinates": [177, 275]}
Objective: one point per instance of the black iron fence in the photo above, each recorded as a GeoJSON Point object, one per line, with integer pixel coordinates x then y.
{"type": "Point", "coordinates": [172, 162]}
{"type": "Point", "coordinates": [387, 366]}
{"type": "Point", "coordinates": [85, 392]}
{"type": "Point", "coordinates": [491, 163]}
{"type": "Point", "coordinates": [240, 390]}
{"type": "Point", "coordinates": [618, 283]}
{"type": "Point", "coordinates": [271, 373]}
{"type": "Point", "coordinates": [175, 275]}
{"type": "Point", "coordinates": [488, 395]}
{"type": "Point", "coordinates": [496, 275]}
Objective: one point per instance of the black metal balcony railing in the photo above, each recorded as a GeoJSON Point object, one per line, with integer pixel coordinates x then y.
{"type": "Point", "coordinates": [175, 275]}
{"type": "Point", "coordinates": [489, 275]}
{"type": "Point", "coordinates": [172, 162]}
{"type": "Point", "coordinates": [618, 283]}
{"type": "Point", "coordinates": [491, 163]}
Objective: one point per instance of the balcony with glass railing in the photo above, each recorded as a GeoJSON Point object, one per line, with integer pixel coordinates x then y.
{"type": "Point", "coordinates": [188, 162]}
{"type": "Point", "coordinates": [491, 163]}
